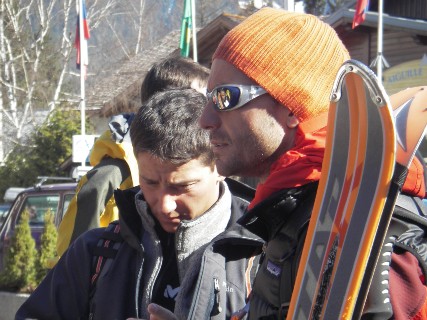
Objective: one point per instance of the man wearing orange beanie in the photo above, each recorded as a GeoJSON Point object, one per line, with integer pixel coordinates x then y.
{"type": "Point", "coordinates": [277, 69]}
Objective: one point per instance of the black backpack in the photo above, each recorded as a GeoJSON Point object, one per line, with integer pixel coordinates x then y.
{"type": "Point", "coordinates": [103, 254]}
{"type": "Point", "coordinates": [407, 232]}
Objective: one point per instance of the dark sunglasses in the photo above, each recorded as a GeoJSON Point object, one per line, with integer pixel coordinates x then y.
{"type": "Point", "coordinates": [228, 97]}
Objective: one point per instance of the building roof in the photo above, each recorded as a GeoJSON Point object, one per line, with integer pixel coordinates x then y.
{"type": "Point", "coordinates": [110, 95]}
{"type": "Point", "coordinates": [209, 37]}
{"type": "Point", "coordinates": [345, 16]}
{"type": "Point", "coordinates": [120, 92]}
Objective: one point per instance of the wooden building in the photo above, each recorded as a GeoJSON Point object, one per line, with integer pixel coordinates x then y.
{"type": "Point", "coordinates": [404, 40]}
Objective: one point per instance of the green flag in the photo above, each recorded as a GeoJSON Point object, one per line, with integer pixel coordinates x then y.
{"type": "Point", "coordinates": [186, 26]}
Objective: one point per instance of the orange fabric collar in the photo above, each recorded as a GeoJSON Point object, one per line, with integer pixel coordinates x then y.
{"type": "Point", "coordinates": [303, 164]}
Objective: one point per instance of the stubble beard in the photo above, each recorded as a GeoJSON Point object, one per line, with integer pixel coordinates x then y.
{"type": "Point", "coordinates": [244, 162]}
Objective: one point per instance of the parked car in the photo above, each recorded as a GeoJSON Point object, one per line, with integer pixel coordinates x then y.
{"type": "Point", "coordinates": [37, 200]}
{"type": "Point", "coordinates": [4, 209]}
{"type": "Point", "coordinates": [11, 194]}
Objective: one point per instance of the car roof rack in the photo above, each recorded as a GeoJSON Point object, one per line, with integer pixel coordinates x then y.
{"type": "Point", "coordinates": [43, 179]}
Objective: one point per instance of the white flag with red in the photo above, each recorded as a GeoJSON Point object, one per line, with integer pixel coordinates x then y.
{"type": "Point", "coordinates": [81, 42]}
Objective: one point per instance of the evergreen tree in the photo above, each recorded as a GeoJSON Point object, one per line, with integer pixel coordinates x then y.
{"type": "Point", "coordinates": [50, 146]}
{"type": "Point", "coordinates": [47, 246]}
{"type": "Point", "coordinates": [315, 7]}
{"type": "Point", "coordinates": [53, 142]}
{"type": "Point", "coordinates": [323, 7]}
{"type": "Point", "coordinates": [19, 271]}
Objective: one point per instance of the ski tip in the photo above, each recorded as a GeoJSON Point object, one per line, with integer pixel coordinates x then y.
{"type": "Point", "coordinates": [376, 89]}
{"type": "Point", "coordinates": [410, 113]}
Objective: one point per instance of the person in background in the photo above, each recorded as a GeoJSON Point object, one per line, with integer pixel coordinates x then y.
{"type": "Point", "coordinates": [114, 165]}
{"type": "Point", "coordinates": [180, 247]}
{"type": "Point", "coordinates": [174, 72]}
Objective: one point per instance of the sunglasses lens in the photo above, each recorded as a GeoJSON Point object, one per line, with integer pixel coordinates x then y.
{"type": "Point", "coordinates": [226, 97]}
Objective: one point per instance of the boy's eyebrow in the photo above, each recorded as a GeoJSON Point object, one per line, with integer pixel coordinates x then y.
{"type": "Point", "coordinates": [145, 178]}
{"type": "Point", "coordinates": [177, 182]}
{"type": "Point", "coordinates": [184, 181]}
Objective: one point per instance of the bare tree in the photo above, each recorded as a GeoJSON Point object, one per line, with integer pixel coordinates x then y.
{"type": "Point", "coordinates": [36, 48]}
{"type": "Point", "coordinates": [25, 32]}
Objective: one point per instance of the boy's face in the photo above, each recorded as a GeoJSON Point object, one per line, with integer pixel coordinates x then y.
{"type": "Point", "coordinates": [177, 192]}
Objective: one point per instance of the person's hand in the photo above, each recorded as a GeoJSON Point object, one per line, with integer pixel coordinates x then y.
{"type": "Point", "coordinates": [158, 313]}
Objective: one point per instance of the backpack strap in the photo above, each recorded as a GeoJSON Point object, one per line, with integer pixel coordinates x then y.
{"type": "Point", "coordinates": [105, 251]}
{"type": "Point", "coordinates": [378, 299]}
{"type": "Point", "coordinates": [415, 209]}
{"type": "Point", "coordinates": [413, 212]}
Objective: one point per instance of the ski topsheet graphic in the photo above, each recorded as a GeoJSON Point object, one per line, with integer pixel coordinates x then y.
{"type": "Point", "coordinates": [356, 175]}
{"type": "Point", "coordinates": [410, 114]}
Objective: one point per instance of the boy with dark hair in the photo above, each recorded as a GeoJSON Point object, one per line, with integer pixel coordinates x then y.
{"type": "Point", "coordinates": [114, 165]}
{"type": "Point", "coordinates": [178, 242]}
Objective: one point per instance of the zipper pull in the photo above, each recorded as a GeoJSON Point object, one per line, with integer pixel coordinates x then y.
{"type": "Point", "coordinates": [217, 307]}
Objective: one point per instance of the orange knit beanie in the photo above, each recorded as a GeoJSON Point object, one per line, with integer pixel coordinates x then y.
{"type": "Point", "coordinates": [294, 56]}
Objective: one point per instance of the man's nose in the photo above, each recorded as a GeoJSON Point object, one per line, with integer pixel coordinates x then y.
{"type": "Point", "coordinates": [209, 118]}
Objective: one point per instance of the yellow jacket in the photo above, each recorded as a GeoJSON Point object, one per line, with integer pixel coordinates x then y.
{"type": "Point", "coordinates": [114, 166]}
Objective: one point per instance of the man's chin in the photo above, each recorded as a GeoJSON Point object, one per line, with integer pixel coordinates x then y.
{"type": "Point", "coordinates": [223, 168]}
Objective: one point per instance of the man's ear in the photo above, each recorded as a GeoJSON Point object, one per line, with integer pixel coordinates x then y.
{"type": "Point", "coordinates": [292, 121]}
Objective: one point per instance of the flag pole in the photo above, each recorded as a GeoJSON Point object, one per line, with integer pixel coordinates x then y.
{"type": "Point", "coordinates": [82, 77]}
{"type": "Point", "coordinates": [380, 42]}
{"type": "Point", "coordinates": [193, 20]}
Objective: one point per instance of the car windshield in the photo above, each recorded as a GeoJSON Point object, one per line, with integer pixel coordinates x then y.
{"type": "Point", "coordinates": [4, 209]}
{"type": "Point", "coordinates": [38, 206]}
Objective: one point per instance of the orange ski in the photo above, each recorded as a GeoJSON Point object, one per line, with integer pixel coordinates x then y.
{"type": "Point", "coordinates": [356, 175]}
{"type": "Point", "coordinates": [410, 113]}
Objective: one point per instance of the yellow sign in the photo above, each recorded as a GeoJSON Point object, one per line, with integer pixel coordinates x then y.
{"type": "Point", "coordinates": [408, 74]}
